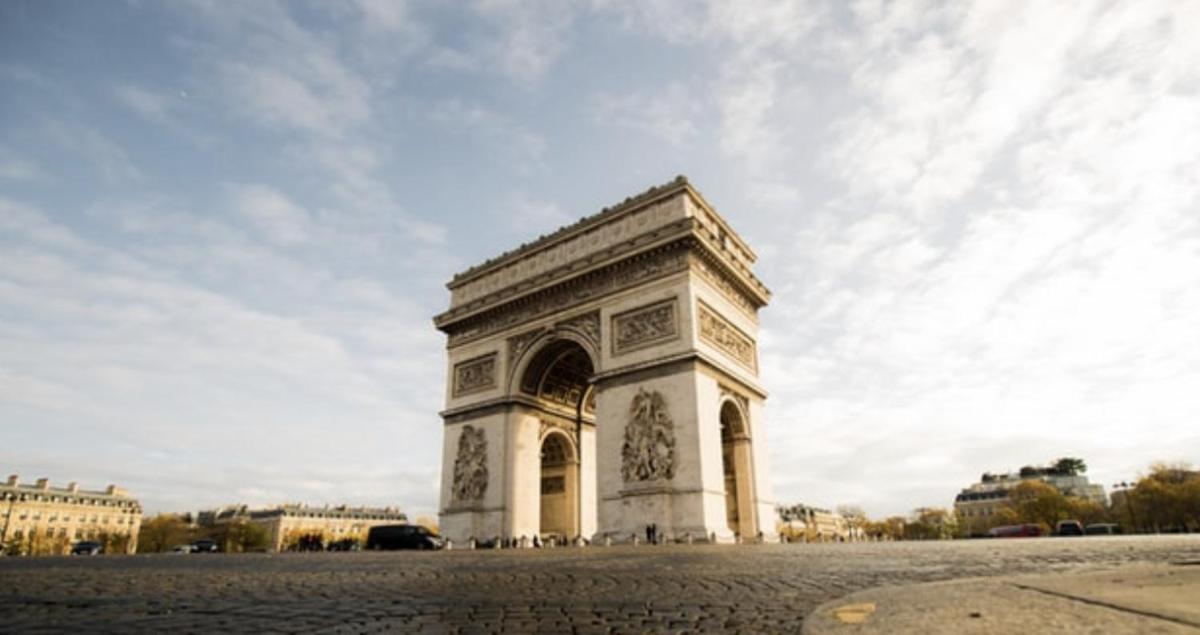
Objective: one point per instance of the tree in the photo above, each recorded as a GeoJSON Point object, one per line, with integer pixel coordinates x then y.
{"type": "Point", "coordinates": [856, 520]}
{"type": "Point", "coordinates": [1167, 499]}
{"type": "Point", "coordinates": [162, 533]}
{"type": "Point", "coordinates": [241, 536]}
{"type": "Point", "coordinates": [1039, 502]}
{"type": "Point", "coordinates": [930, 523]}
{"type": "Point", "coordinates": [1070, 466]}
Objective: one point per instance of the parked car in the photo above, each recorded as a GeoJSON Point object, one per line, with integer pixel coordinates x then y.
{"type": "Point", "coordinates": [389, 537]}
{"type": "Point", "coordinates": [182, 549]}
{"type": "Point", "coordinates": [1068, 528]}
{"type": "Point", "coordinates": [205, 545]}
{"type": "Point", "coordinates": [87, 548]}
{"type": "Point", "coordinates": [1102, 529]}
{"type": "Point", "coordinates": [1028, 530]}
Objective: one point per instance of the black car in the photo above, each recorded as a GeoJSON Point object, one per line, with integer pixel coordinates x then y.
{"type": "Point", "coordinates": [205, 545]}
{"type": "Point", "coordinates": [389, 537]}
{"type": "Point", "coordinates": [87, 548]}
{"type": "Point", "coordinates": [1069, 528]}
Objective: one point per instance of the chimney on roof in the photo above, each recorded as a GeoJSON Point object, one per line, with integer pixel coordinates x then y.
{"type": "Point", "coordinates": [13, 480]}
{"type": "Point", "coordinates": [73, 487]}
{"type": "Point", "coordinates": [43, 483]}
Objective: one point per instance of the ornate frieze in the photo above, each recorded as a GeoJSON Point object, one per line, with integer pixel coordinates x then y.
{"type": "Point", "coordinates": [724, 283]}
{"type": "Point", "coordinates": [648, 453]}
{"type": "Point", "coordinates": [470, 466]}
{"type": "Point", "coordinates": [588, 324]}
{"type": "Point", "coordinates": [474, 375]}
{"type": "Point", "coordinates": [726, 337]}
{"type": "Point", "coordinates": [619, 226]}
{"type": "Point", "coordinates": [645, 326]}
{"type": "Point", "coordinates": [517, 345]}
{"type": "Point", "coordinates": [636, 270]}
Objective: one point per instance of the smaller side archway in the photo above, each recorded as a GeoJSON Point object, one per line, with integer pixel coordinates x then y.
{"type": "Point", "coordinates": [737, 470]}
{"type": "Point", "coordinates": [559, 487]}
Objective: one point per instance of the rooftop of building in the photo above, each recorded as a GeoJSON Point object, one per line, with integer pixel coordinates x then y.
{"type": "Point", "coordinates": [301, 509]}
{"type": "Point", "coordinates": [42, 486]}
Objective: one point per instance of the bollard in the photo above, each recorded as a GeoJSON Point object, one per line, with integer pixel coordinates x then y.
{"type": "Point", "coordinates": [607, 540]}
{"type": "Point", "coordinates": [712, 538]}
{"type": "Point", "coordinates": [689, 537]}
{"type": "Point", "coordinates": [634, 539]}
{"type": "Point", "coordinates": [449, 545]}
{"type": "Point", "coordinates": [471, 542]}
{"type": "Point", "coordinates": [524, 541]}
{"type": "Point", "coordinates": [496, 542]}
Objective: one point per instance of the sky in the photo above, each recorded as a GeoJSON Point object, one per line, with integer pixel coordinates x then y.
{"type": "Point", "coordinates": [225, 227]}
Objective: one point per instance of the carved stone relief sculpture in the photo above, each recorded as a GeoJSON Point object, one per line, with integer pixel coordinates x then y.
{"type": "Point", "coordinates": [649, 449]}
{"type": "Point", "coordinates": [717, 331]}
{"type": "Point", "coordinates": [475, 374]}
{"type": "Point", "coordinates": [588, 324]}
{"type": "Point", "coordinates": [644, 326]}
{"type": "Point", "coordinates": [470, 465]}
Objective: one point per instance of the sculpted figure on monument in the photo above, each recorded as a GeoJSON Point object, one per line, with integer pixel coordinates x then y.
{"type": "Point", "coordinates": [649, 449]}
{"type": "Point", "coordinates": [470, 465]}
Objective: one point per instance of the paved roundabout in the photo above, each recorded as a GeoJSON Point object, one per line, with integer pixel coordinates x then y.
{"type": "Point", "coordinates": [760, 588]}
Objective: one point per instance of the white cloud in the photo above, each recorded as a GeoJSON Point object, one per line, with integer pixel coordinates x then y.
{"type": "Point", "coordinates": [281, 220]}
{"type": "Point", "coordinates": [668, 113]}
{"type": "Point", "coordinates": [14, 167]}
{"type": "Point", "coordinates": [527, 37]}
{"type": "Point", "coordinates": [214, 371]}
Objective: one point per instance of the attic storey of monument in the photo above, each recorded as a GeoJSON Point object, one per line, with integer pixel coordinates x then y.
{"type": "Point", "coordinates": [596, 376]}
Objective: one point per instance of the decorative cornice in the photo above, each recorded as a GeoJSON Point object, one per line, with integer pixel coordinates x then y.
{"type": "Point", "coordinates": [678, 253]}
{"type": "Point", "coordinates": [658, 192]}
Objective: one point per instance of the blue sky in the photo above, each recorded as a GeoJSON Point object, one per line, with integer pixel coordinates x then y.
{"type": "Point", "coordinates": [225, 226]}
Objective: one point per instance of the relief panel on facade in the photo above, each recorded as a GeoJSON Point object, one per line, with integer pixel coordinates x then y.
{"type": "Point", "coordinates": [648, 453]}
{"type": "Point", "coordinates": [475, 374]}
{"type": "Point", "coordinates": [723, 283]}
{"type": "Point", "coordinates": [470, 466]}
{"type": "Point", "coordinates": [726, 337]}
{"type": "Point", "coordinates": [588, 324]}
{"type": "Point", "coordinates": [645, 326]}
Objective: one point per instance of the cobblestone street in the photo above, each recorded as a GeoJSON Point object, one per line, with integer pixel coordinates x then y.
{"type": "Point", "coordinates": [766, 588]}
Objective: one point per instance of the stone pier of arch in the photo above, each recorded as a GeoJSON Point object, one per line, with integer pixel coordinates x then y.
{"type": "Point", "coordinates": [604, 378]}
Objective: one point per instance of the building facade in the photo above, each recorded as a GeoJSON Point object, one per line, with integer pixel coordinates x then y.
{"type": "Point", "coordinates": [604, 378]}
{"type": "Point", "coordinates": [978, 503]}
{"type": "Point", "coordinates": [804, 523]}
{"type": "Point", "coordinates": [287, 524]}
{"type": "Point", "coordinates": [43, 520]}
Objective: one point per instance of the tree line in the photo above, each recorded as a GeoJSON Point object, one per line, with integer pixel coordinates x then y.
{"type": "Point", "coordinates": [1166, 499]}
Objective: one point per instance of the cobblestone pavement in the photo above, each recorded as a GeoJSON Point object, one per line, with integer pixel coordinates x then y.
{"type": "Point", "coordinates": [766, 588]}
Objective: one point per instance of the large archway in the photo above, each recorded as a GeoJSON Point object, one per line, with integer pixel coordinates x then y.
{"type": "Point", "coordinates": [558, 380]}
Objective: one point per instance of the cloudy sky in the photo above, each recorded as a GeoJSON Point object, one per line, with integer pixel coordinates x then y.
{"type": "Point", "coordinates": [225, 226]}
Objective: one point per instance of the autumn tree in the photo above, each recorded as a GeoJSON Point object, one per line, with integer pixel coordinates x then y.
{"type": "Point", "coordinates": [162, 532]}
{"type": "Point", "coordinates": [240, 536]}
{"type": "Point", "coordinates": [1038, 502]}
{"type": "Point", "coordinates": [1167, 499]}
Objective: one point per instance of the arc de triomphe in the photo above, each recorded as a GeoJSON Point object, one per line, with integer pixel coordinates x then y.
{"type": "Point", "coordinates": [605, 377]}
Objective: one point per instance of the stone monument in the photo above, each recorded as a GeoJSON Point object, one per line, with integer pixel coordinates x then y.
{"type": "Point", "coordinates": [604, 378]}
